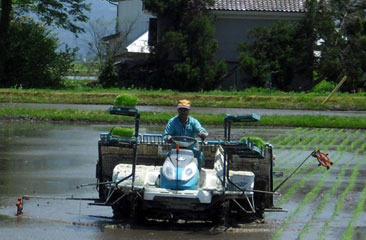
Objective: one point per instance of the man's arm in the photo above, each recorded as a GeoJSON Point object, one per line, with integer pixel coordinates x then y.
{"type": "Point", "coordinates": [202, 133]}
{"type": "Point", "coordinates": [169, 131]}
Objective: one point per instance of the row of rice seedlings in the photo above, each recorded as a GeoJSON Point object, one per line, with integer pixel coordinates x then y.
{"type": "Point", "coordinates": [293, 189]}
{"type": "Point", "coordinates": [310, 140]}
{"type": "Point", "coordinates": [348, 234]}
{"type": "Point", "coordinates": [292, 140]}
{"type": "Point", "coordinates": [306, 167]}
{"type": "Point", "coordinates": [311, 195]}
{"type": "Point", "coordinates": [325, 139]}
{"type": "Point", "coordinates": [295, 144]}
{"type": "Point", "coordinates": [341, 199]}
{"type": "Point", "coordinates": [303, 181]}
{"type": "Point", "coordinates": [284, 137]}
{"type": "Point", "coordinates": [333, 140]}
{"type": "Point", "coordinates": [302, 140]}
{"type": "Point", "coordinates": [289, 137]}
{"type": "Point", "coordinates": [330, 192]}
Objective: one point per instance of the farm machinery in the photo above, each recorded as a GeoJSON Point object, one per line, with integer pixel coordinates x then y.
{"type": "Point", "coordinates": [142, 177]}
{"type": "Point", "coordinates": [145, 178]}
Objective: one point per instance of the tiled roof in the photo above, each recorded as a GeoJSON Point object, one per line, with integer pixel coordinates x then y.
{"type": "Point", "coordinates": [260, 5]}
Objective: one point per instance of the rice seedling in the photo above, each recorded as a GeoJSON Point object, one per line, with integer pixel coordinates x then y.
{"type": "Point", "coordinates": [341, 199]}
{"type": "Point", "coordinates": [329, 193]}
{"type": "Point", "coordinates": [258, 141]}
{"type": "Point", "coordinates": [294, 150]}
{"type": "Point", "coordinates": [125, 100]}
{"type": "Point", "coordinates": [301, 183]}
{"type": "Point", "coordinates": [348, 234]}
{"type": "Point", "coordinates": [279, 139]}
{"type": "Point", "coordinates": [314, 193]}
{"type": "Point", "coordinates": [122, 132]}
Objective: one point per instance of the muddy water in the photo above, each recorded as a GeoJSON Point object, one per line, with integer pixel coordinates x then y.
{"type": "Point", "coordinates": [50, 161]}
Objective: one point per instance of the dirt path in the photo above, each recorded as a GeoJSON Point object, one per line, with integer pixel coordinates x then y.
{"type": "Point", "coordinates": [234, 111]}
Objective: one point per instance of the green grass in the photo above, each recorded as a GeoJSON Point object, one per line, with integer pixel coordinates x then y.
{"type": "Point", "coordinates": [251, 98]}
{"type": "Point", "coordinates": [152, 117]}
{"type": "Point", "coordinates": [84, 69]}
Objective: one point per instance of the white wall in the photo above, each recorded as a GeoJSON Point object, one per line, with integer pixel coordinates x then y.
{"type": "Point", "coordinates": [130, 14]}
{"type": "Point", "coordinates": [232, 28]}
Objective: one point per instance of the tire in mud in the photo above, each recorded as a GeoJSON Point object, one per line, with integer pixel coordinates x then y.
{"type": "Point", "coordinates": [220, 214]}
{"type": "Point", "coordinates": [122, 209]}
{"type": "Point", "coordinates": [137, 214]}
{"type": "Point", "coordinates": [259, 199]}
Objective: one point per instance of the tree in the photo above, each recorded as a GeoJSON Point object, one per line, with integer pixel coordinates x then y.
{"type": "Point", "coordinates": [334, 29]}
{"type": "Point", "coordinates": [340, 28]}
{"type": "Point", "coordinates": [38, 66]}
{"type": "Point", "coordinates": [105, 49]}
{"type": "Point", "coordinates": [184, 56]}
{"type": "Point", "coordinates": [277, 52]}
{"type": "Point", "coordinates": [100, 45]}
{"type": "Point", "coordinates": [60, 13]}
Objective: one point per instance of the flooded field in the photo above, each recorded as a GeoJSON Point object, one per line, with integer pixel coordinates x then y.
{"type": "Point", "coordinates": [50, 161]}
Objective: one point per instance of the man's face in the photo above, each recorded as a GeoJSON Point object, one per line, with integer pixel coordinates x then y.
{"type": "Point", "coordinates": [183, 112]}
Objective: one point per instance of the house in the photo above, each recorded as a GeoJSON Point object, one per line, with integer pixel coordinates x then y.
{"type": "Point", "coordinates": [234, 20]}
{"type": "Point", "coordinates": [132, 28]}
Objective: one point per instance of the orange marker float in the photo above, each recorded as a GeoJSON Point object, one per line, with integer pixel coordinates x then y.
{"type": "Point", "coordinates": [322, 158]}
{"type": "Point", "coordinates": [19, 206]}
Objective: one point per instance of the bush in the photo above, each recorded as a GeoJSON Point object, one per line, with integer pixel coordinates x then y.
{"type": "Point", "coordinates": [324, 86]}
{"type": "Point", "coordinates": [34, 60]}
{"type": "Point", "coordinates": [108, 75]}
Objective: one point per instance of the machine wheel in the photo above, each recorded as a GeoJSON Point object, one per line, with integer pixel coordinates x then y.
{"type": "Point", "coordinates": [220, 215]}
{"type": "Point", "coordinates": [122, 209]}
{"type": "Point", "coordinates": [137, 214]}
{"type": "Point", "coordinates": [259, 211]}
{"type": "Point", "coordinates": [259, 199]}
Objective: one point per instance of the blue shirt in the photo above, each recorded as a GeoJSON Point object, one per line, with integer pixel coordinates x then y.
{"type": "Point", "coordinates": [176, 128]}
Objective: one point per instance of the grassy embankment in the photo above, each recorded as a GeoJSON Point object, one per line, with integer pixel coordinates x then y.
{"type": "Point", "coordinates": [242, 99]}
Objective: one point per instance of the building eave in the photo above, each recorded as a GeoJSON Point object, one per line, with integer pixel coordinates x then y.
{"type": "Point", "coordinates": [278, 15]}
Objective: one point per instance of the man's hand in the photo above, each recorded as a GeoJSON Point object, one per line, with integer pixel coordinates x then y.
{"type": "Point", "coordinates": [169, 139]}
{"type": "Point", "coordinates": [202, 135]}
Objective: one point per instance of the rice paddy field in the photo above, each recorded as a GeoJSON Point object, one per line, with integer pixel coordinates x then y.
{"type": "Point", "coordinates": [321, 203]}
{"type": "Point", "coordinates": [45, 158]}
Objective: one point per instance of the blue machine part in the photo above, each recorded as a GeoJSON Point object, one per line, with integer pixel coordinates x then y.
{"type": "Point", "coordinates": [179, 184]}
{"type": "Point", "coordinates": [243, 118]}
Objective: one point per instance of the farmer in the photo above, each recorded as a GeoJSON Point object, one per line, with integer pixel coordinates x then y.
{"type": "Point", "coordinates": [184, 125]}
